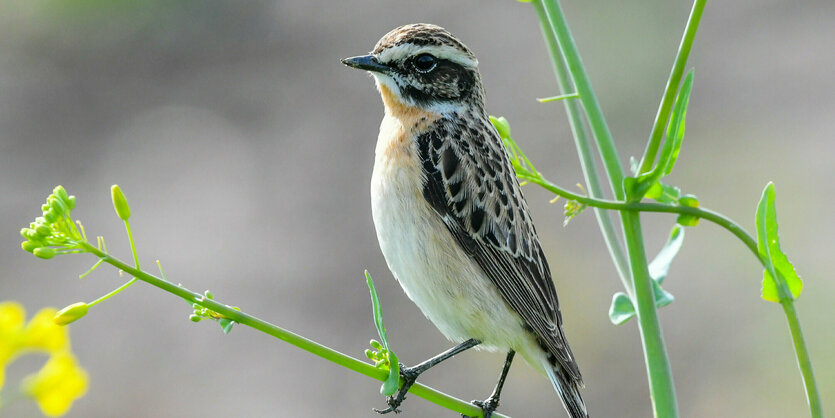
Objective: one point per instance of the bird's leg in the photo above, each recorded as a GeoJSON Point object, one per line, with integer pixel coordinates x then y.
{"type": "Point", "coordinates": [490, 404]}
{"type": "Point", "coordinates": [410, 374]}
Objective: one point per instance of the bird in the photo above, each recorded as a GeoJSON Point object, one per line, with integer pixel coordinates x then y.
{"type": "Point", "coordinates": [450, 217]}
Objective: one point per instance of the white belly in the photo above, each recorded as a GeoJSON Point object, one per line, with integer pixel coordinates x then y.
{"type": "Point", "coordinates": [447, 286]}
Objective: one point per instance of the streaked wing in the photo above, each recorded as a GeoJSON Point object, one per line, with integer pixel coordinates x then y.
{"type": "Point", "coordinates": [471, 184]}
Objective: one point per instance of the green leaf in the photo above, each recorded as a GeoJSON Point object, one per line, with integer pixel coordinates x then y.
{"type": "Point", "coordinates": [675, 130]}
{"type": "Point", "coordinates": [226, 324]}
{"type": "Point", "coordinates": [621, 309]}
{"type": "Point", "coordinates": [378, 311]}
{"type": "Point", "coordinates": [660, 265]}
{"type": "Point", "coordinates": [636, 189]}
{"type": "Point", "coordinates": [662, 297]}
{"type": "Point", "coordinates": [780, 280]}
{"type": "Point", "coordinates": [692, 201]}
{"type": "Point", "coordinates": [663, 193]}
{"type": "Point", "coordinates": [392, 382]}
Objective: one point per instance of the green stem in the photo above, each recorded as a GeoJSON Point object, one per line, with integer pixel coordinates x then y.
{"type": "Point", "coordinates": [707, 214]}
{"type": "Point", "coordinates": [803, 360]}
{"type": "Point", "coordinates": [132, 245]}
{"type": "Point", "coordinates": [597, 121]}
{"type": "Point", "coordinates": [112, 293]}
{"type": "Point", "coordinates": [359, 366]}
{"type": "Point", "coordinates": [581, 140]}
{"type": "Point", "coordinates": [663, 115]}
{"type": "Point", "coordinates": [662, 390]}
{"type": "Point", "coordinates": [557, 98]}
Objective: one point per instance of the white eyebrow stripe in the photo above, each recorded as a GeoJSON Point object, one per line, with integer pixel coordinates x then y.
{"type": "Point", "coordinates": [400, 52]}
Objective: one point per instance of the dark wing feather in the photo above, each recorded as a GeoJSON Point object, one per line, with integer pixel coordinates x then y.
{"type": "Point", "coordinates": [470, 183]}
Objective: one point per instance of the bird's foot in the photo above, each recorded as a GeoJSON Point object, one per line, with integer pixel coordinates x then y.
{"type": "Point", "coordinates": [487, 407]}
{"type": "Point", "coordinates": [408, 375]}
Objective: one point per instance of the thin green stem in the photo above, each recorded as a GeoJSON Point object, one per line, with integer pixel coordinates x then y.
{"type": "Point", "coordinates": [581, 140]}
{"type": "Point", "coordinates": [113, 292]}
{"type": "Point", "coordinates": [557, 98]}
{"type": "Point", "coordinates": [132, 244]}
{"type": "Point", "coordinates": [707, 214]}
{"type": "Point", "coordinates": [662, 390]}
{"type": "Point", "coordinates": [663, 115]}
{"type": "Point", "coordinates": [803, 360]}
{"type": "Point", "coordinates": [597, 121]}
{"type": "Point", "coordinates": [359, 366]}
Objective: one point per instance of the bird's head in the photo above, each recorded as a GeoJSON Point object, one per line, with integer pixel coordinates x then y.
{"type": "Point", "coordinates": [425, 67]}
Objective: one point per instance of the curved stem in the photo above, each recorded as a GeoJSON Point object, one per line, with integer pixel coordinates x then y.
{"type": "Point", "coordinates": [359, 366]}
{"type": "Point", "coordinates": [707, 214]}
{"type": "Point", "coordinates": [663, 115]}
{"type": "Point", "coordinates": [801, 351]}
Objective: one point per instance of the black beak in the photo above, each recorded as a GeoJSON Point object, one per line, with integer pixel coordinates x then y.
{"type": "Point", "coordinates": [366, 62]}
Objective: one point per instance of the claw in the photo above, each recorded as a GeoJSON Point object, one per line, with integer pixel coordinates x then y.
{"type": "Point", "coordinates": [487, 407]}
{"type": "Point", "coordinates": [408, 376]}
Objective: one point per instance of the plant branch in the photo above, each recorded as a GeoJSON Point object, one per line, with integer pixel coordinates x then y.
{"type": "Point", "coordinates": [423, 391]}
{"type": "Point", "coordinates": [663, 115]}
{"type": "Point", "coordinates": [581, 140]}
{"type": "Point", "coordinates": [803, 360]}
{"type": "Point", "coordinates": [662, 390]}
{"type": "Point", "coordinates": [597, 121]}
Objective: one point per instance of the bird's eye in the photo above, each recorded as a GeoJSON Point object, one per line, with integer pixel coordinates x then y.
{"type": "Point", "coordinates": [425, 63]}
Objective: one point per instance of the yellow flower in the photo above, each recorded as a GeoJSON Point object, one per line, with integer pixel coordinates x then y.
{"type": "Point", "coordinates": [12, 317]}
{"type": "Point", "coordinates": [18, 337]}
{"type": "Point", "coordinates": [43, 334]}
{"type": "Point", "coordinates": [57, 385]}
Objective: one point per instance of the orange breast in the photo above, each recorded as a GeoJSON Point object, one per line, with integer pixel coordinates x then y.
{"type": "Point", "coordinates": [401, 125]}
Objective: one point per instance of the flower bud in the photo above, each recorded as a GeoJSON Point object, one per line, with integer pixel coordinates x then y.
{"type": "Point", "coordinates": [71, 313]}
{"type": "Point", "coordinates": [502, 126]}
{"type": "Point", "coordinates": [43, 230]}
{"type": "Point", "coordinates": [30, 246]}
{"type": "Point", "coordinates": [689, 200]}
{"type": "Point", "coordinates": [28, 233]}
{"type": "Point", "coordinates": [194, 318]}
{"type": "Point", "coordinates": [60, 192]}
{"type": "Point", "coordinates": [119, 202]}
{"type": "Point", "coordinates": [50, 216]}
{"type": "Point", "coordinates": [44, 252]}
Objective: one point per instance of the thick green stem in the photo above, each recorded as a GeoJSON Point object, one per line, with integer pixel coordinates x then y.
{"type": "Point", "coordinates": [660, 375]}
{"type": "Point", "coordinates": [663, 115]}
{"type": "Point", "coordinates": [359, 366]}
{"type": "Point", "coordinates": [581, 140]}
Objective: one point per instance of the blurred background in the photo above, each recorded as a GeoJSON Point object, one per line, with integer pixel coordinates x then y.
{"type": "Point", "coordinates": [245, 149]}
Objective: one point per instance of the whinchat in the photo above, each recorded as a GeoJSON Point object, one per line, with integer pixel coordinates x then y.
{"type": "Point", "coordinates": [451, 220]}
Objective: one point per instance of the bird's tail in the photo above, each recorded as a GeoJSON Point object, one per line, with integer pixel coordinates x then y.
{"type": "Point", "coordinates": [569, 390]}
